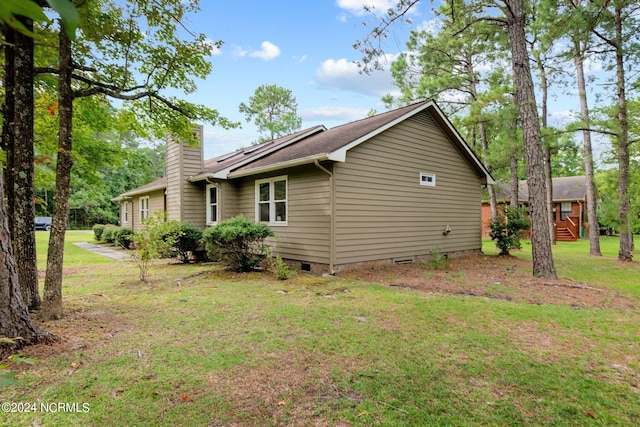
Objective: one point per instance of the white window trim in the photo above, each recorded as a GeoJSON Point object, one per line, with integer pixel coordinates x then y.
{"type": "Point", "coordinates": [272, 205]}
{"type": "Point", "coordinates": [125, 213]}
{"type": "Point", "coordinates": [425, 183]}
{"type": "Point", "coordinates": [143, 211]}
{"type": "Point", "coordinates": [208, 201]}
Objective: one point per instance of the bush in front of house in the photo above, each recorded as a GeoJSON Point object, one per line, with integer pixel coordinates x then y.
{"type": "Point", "coordinates": [189, 241]}
{"type": "Point", "coordinates": [185, 237]}
{"type": "Point", "coordinates": [124, 237]}
{"type": "Point", "coordinates": [109, 233]}
{"type": "Point", "coordinates": [98, 229]}
{"type": "Point", "coordinates": [507, 229]}
{"type": "Point", "coordinates": [239, 242]}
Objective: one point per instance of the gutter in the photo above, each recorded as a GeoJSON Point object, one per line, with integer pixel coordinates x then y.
{"type": "Point", "coordinates": [332, 217]}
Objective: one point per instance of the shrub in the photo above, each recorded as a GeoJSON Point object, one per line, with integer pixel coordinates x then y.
{"type": "Point", "coordinates": [98, 229]}
{"type": "Point", "coordinates": [438, 260]}
{"type": "Point", "coordinates": [279, 268]}
{"type": "Point", "coordinates": [507, 229]}
{"type": "Point", "coordinates": [240, 242]}
{"type": "Point", "coordinates": [109, 233]}
{"type": "Point", "coordinates": [149, 245]}
{"type": "Point", "coordinates": [186, 238]}
{"type": "Point", "coordinates": [189, 240]}
{"type": "Point", "coordinates": [124, 237]}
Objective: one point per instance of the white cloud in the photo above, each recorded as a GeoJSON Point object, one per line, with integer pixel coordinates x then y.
{"type": "Point", "coordinates": [326, 113]}
{"type": "Point", "coordinates": [345, 75]}
{"type": "Point", "coordinates": [269, 51]}
{"type": "Point", "coordinates": [563, 116]}
{"type": "Point", "coordinates": [432, 26]}
{"type": "Point", "coordinates": [215, 50]}
{"type": "Point", "coordinates": [357, 6]}
{"type": "Point", "coordinates": [592, 65]}
{"type": "Point", "coordinates": [342, 18]}
{"type": "Point", "coordinates": [239, 52]}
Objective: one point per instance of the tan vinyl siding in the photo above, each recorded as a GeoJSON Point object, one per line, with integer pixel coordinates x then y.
{"type": "Point", "coordinates": [156, 204]}
{"type": "Point", "coordinates": [306, 237]}
{"type": "Point", "coordinates": [228, 200]}
{"type": "Point", "coordinates": [382, 212]}
{"type": "Point", "coordinates": [185, 200]}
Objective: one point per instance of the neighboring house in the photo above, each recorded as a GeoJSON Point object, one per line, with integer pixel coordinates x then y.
{"type": "Point", "coordinates": [391, 187]}
{"type": "Point", "coordinates": [569, 206]}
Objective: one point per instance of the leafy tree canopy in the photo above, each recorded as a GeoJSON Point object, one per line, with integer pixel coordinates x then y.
{"type": "Point", "coordinates": [274, 110]}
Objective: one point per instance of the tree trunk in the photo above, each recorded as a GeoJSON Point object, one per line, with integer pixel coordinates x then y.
{"type": "Point", "coordinates": [543, 264]}
{"type": "Point", "coordinates": [513, 174]}
{"type": "Point", "coordinates": [8, 115]}
{"type": "Point", "coordinates": [52, 301]}
{"type": "Point", "coordinates": [23, 234]}
{"type": "Point", "coordinates": [592, 216]}
{"type": "Point", "coordinates": [14, 315]}
{"type": "Point", "coordinates": [624, 206]}
{"type": "Point", "coordinates": [548, 174]}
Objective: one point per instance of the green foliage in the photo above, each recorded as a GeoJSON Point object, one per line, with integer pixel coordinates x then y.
{"type": "Point", "coordinates": [109, 233]}
{"type": "Point", "coordinates": [279, 268]}
{"type": "Point", "coordinates": [507, 229]}
{"type": "Point", "coordinates": [98, 230]}
{"type": "Point", "coordinates": [273, 110]}
{"type": "Point", "coordinates": [124, 237]}
{"type": "Point", "coordinates": [186, 237]}
{"type": "Point", "coordinates": [240, 242]}
{"type": "Point", "coordinates": [438, 260]}
{"type": "Point", "coordinates": [10, 9]}
{"type": "Point", "coordinates": [6, 377]}
{"type": "Point", "coordinates": [154, 241]}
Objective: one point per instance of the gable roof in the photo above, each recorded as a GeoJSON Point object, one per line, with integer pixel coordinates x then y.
{"type": "Point", "coordinates": [565, 189]}
{"type": "Point", "coordinates": [319, 143]}
{"type": "Point", "coordinates": [219, 167]}
{"type": "Point", "coordinates": [334, 143]}
{"type": "Point", "coordinates": [158, 184]}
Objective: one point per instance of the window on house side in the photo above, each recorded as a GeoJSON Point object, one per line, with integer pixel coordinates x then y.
{"type": "Point", "coordinates": [125, 213]}
{"type": "Point", "coordinates": [271, 200]}
{"type": "Point", "coordinates": [427, 179]}
{"type": "Point", "coordinates": [565, 210]}
{"type": "Point", "coordinates": [144, 207]}
{"type": "Point", "coordinates": [212, 204]}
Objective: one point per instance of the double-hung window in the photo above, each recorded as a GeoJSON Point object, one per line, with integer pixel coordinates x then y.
{"type": "Point", "coordinates": [565, 210]}
{"type": "Point", "coordinates": [271, 200]}
{"type": "Point", "coordinates": [125, 213]}
{"type": "Point", "coordinates": [212, 204]}
{"type": "Point", "coordinates": [144, 207]}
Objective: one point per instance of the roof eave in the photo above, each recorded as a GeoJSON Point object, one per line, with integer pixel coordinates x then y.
{"type": "Point", "coordinates": [226, 172]}
{"type": "Point", "coordinates": [130, 194]}
{"type": "Point", "coordinates": [279, 166]}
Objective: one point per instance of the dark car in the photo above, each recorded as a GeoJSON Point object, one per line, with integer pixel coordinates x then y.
{"type": "Point", "coordinates": [43, 223]}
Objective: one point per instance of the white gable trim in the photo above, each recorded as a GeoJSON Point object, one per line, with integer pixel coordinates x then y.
{"type": "Point", "coordinates": [340, 155]}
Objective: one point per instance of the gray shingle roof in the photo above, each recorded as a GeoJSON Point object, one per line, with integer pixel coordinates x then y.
{"type": "Point", "coordinates": [566, 188]}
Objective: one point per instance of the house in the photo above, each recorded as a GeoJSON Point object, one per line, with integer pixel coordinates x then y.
{"type": "Point", "coordinates": [390, 188]}
{"type": "Point", "coordinates": [569, 206]}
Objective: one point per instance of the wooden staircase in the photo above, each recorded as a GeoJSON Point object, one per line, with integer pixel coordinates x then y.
{"type": "Point", "coordinates": [564, 235]}
{"type": "Point", "coordinates": [567, 230]}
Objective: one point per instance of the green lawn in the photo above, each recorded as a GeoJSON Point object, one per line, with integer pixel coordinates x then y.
{"type": "Point", "coordinates": [573, 261]}
{"type": "Point", "coordinates": [200, 347]}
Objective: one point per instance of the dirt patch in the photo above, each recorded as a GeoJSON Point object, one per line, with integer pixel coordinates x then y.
{"type": "Point", "coordinates": [506, 278]}
{"type": "Point", "coordinates": [293, 389]}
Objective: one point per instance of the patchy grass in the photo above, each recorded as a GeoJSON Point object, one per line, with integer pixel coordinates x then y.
{"type": "Point", "coordinates": [200, 346]}
{"type": "Point", "coordinates": [573, 261]}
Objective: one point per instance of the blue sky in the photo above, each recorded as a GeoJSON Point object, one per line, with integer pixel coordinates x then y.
{"type": "Point", "coordinates": [304, 46]}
